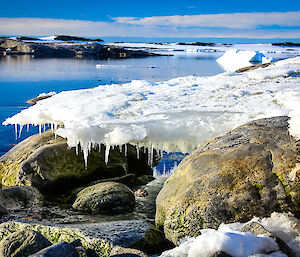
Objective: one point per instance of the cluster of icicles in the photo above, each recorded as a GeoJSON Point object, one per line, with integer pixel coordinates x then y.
{"type": "Point", "coordinates": [90, 146]}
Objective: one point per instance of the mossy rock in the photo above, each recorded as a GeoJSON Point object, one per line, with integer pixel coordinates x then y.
{"type": "Point", "coordinates": [55, 234]}
{"type": "Point", "coordinates": [250, 171]}
{"type": "Point", "coordinates": [106, 198]}
{"type": "Point", "coordinates": [23, 243]}
{"type": "Point", "coordinates": [46, 163]}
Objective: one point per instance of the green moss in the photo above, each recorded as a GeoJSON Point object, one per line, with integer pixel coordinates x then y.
{"type": "Point", "coordinates": [58, 234]}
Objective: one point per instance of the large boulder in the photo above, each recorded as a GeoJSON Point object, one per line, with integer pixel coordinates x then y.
{"type": "Point", "coordinates": [15, 198]}
{"type": "Point", "coordinates": [107, 198]}
{"type": "Point", "coordinates": [253, 170]}
{"type": "Point", "coordinates": [23, 243]}
{"type": "Point", "coordinates": [46, 163]}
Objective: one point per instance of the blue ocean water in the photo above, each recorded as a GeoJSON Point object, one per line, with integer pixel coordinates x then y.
{"type": "Point", "coordinates": [24, 77]}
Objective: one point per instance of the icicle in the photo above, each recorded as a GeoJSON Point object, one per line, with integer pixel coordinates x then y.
{"type": "Point", "coordinates": [16, 131]}
{"type": "Point", "coordinates": [89, 147]}
{"type": "Point", "coordinates": [164, 169]}
{"type": "Point", "coordinates": [107, 149]}
{"type": "Point", "coordinates": [76, 147]}
{"type": "Point", "coordinates": [125, 147]}
{"type": "Point", "coordinates": [27, 127]}
{"type": "Point", "coordinates": [85, 156]}
{"type": "Point", "coordinates": [20, 132]}
{"type": "Point", "coordinates": [40, 129]}
{"type": "Point", "coordinates": [121, 148]}
{"type": "Point", "coordinates": [137, 151]}
{"type": "Point", "coordinates": [161, 153]}
{"type": "Point", "coordinates": [44, 127]}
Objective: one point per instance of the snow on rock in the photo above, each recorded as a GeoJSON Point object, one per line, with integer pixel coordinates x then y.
{"type": "Point", "coordinates": [229, 239]}
{"type": "Point", "coordinates": [234, 59]}
{"type": "Point", "coordinates": [47, 94]}
{"type": "Point", "coordinates": [176, 115]}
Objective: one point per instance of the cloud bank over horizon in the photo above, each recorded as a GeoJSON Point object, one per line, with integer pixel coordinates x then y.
{"type": "Point", "coordinates": [263, 25]}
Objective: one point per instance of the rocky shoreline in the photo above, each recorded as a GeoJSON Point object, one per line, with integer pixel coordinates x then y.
{"type": "Point", "coordinates": [67, 49]}
{"type": "Point", "coordinates": [50, 202]}
{"type": "Point", "coordinates": [242, 187]}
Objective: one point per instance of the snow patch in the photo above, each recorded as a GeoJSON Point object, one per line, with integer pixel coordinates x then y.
{"type": "Point", "coordinates": [229, 239]}
{"type": "Point", "coordinates": [47, 94]}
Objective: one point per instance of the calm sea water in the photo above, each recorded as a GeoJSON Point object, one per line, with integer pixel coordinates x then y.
{"type": "Point", "coordinates": [23, 77]}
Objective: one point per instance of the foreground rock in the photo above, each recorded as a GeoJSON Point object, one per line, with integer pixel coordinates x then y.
{"type": "Point", "coordinates": [16, 198]}
{"type": "Point", "coordinates": [97, 238]}
{"type": "Point", "coordinates": [60, 249]}
{"type": "Point", "coordinates": [118, 251]}
{"type": "Point", "coordinates": [47, 164]}
{"type": "Point", "coordinates": [106, 198]}
{"type": "Point", "coordinates": [22, 243]}
{"type": "Point", "coordinates": [250, 171]}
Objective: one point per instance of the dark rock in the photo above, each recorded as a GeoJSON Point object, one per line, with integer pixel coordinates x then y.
{"type": "Point", "coordinates": [107, 198]}
{"type": "Point", "coordinates": [221, 254]}
{"type": "Point", "coordinates": [118, 251]}
{"type": "Point", "coordinates": [23, 243]}
{"type": "Point", "coordinates": [62, 249]}
{"type": "Point", "coordinates": [154, 242]}
{"type": "Point", "coordinates": [250, 171]}
{"type": "Point", "coordinates": [18, 197]}
{"type": "Point", "coordinates": [82, 252]}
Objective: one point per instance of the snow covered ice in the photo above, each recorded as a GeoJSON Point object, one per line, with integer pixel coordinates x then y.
{"type": "Point", "coordinates": [176, 115]}
{"type": "Point", "coordinates": [234, 59]}
{"type": "Point", "coordinates": [229, 239]}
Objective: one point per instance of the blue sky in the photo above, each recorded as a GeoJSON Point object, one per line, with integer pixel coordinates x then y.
{"type": "Point", "coordinates": [160, 20]}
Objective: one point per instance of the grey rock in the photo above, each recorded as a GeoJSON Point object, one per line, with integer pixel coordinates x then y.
{"type": "Point", "coordinates": [118, 251]}
{"type": "Point", "coordinates": [22, 243]}
{"type": "Point", "coordinates": [18, 197]}
{"type": "Point", "coordinates": [256, 229]}
{"type": "Point", "coordinates": [250, 171]}
{"type": "Point", "coordinates": [62, 249]}
{"type": "Point", "coordinates": [221, 254]}
{"type": "Point", "coordinates": [106, 197]}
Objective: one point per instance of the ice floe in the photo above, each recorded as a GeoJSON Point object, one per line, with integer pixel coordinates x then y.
{"type": "Point", "coordinates": [234, 59]}
{"type": "Point", "coordinates": [176, 115]}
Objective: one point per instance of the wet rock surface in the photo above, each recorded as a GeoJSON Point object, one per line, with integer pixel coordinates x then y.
{"type": "Point", "coordinates": [250, 171]}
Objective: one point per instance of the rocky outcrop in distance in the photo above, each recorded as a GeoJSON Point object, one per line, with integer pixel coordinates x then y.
{"type": "Point", "coordinates": [67, 49]}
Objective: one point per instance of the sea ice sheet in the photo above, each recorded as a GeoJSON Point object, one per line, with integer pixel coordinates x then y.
{"type": "Point", "coordinates": [176, 115]}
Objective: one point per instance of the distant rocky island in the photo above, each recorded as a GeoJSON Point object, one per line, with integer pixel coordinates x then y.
{"type": "Point", "coordinates": [66, 47]}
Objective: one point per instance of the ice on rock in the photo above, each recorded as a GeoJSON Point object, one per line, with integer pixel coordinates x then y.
{"type": "Point", "coordinates": [229, 239]}
{"type": "Point", "coordinates": [234, 59]}
{"type": "Point", "coordinates": [175, 116]}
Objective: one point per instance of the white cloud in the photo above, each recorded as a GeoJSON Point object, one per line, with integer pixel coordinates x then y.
{"type": "Point", "coordinates": [44, 27]}
{"type": "Point", "coordinates": [226, 20]}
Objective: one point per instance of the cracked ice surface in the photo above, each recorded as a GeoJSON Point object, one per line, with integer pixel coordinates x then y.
{"type": "Point", "coordinates": [175, 115]}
